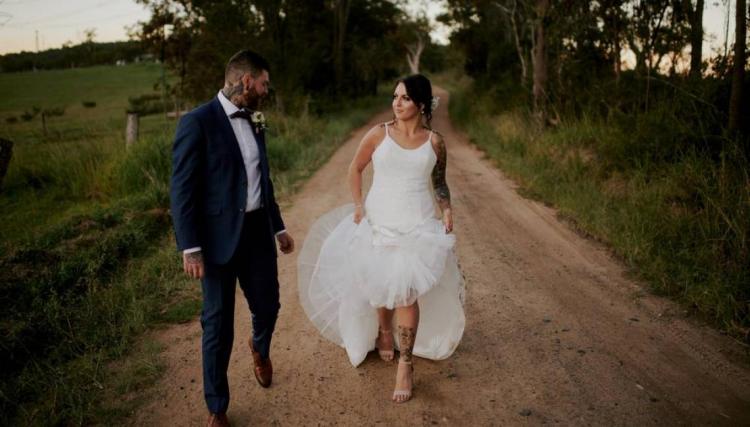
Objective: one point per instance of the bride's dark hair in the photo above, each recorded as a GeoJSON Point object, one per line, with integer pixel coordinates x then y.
{"type": "Point", "coordinates": [419, 89]}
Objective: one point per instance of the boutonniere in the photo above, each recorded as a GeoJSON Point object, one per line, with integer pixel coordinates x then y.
{"type": "Point", "coordinates": [259, 121]}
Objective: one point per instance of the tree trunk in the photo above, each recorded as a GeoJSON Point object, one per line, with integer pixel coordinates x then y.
{"type": "Point", "coordinates": [618, 57]}
{"type": "Point", "coordinates": [738, 77]}
{"type": "Point", "coordinates": [519, 49]}
{"type": "Point", "coordinates": [696, 37]}
{"type": "Point", "coordinates": [341, 16]}
{"type": "Point", "coordinates": [540, 61]}
{"type": "Point", "coordinates": [414, 52]}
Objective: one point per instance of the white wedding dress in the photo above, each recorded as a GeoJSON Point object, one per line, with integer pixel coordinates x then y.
{"type": "Point", "coordinates": [397, 254]}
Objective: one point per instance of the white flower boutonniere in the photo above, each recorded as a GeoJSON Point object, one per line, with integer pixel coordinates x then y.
{"type": "Point", "coordinates": [259, 121]}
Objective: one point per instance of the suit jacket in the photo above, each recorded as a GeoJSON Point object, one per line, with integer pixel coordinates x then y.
{"type": "Point", "coordinates": [208, 191]}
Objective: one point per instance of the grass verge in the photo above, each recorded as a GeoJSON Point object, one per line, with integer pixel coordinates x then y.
{"type": "Point", "coordinates": [88, 264]}
{"type": "Point", "coordinates": [679, 220]}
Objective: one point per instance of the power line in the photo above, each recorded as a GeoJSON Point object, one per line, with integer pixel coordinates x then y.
{"type": "Point", "coordinates": [109, 18]}
{"type": "Point", "coordinates": [59, 16]}
{"type": "Point", "coordinates": [5, 18]}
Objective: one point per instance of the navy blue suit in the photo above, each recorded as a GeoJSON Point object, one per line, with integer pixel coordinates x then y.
{"type": "Point", "coordinates": [208, 195]}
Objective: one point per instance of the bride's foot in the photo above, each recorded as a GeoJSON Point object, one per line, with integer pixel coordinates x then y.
{"type": "Point", "coordinates": [384, 344]}
{"type": "Point", "coordinates": [404, 382]}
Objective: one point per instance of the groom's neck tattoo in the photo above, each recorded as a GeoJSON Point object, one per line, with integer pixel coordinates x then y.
{"type": "Point", "coordinates": [406, 342]}
{"type": "Point", "coordinates": [232, 91]}
{"type": "Point", "coordinates": [442, 192]}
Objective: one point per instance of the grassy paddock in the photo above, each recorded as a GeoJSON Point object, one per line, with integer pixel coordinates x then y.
{"type": "Point", "coordinates": [681, 222]}
{"type": "Point", "coordinates": [87, 259]}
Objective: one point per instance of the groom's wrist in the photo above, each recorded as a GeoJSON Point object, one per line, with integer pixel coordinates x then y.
{"type": "Point", "coordinates": [191, 250]}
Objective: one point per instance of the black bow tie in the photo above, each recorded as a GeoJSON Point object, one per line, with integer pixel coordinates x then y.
{"type": "Point", "coordinates": [243, 114]}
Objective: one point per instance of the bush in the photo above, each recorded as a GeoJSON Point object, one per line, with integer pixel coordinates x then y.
{"type": "Point", "coordinates": [53, 112]}
{"type": "Point", "coordinates": [144, 105]}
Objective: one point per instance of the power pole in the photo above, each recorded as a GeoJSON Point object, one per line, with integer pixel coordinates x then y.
{"type": "Point", "coordinates": [36, 42]}
{"type": "Point", "coordinates": [726, 28]}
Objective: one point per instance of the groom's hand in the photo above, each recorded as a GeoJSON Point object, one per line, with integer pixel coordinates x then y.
{"type": "Point", "coordinates": [286, 243]}
{"type": "Point", "coordinates": [192, 263]}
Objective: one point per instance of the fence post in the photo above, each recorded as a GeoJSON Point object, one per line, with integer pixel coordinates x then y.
{"type": "Point", "coordinates": [131, 130]}
{"type": "Point", "coordinates": [6, 152]}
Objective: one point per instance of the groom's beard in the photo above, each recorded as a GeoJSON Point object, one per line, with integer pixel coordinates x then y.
{"type": "Point", "coordinates": [253, 100]}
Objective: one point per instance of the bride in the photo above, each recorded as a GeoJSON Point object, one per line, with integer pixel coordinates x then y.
{"type": "Point", "coordinates": [363, 263]}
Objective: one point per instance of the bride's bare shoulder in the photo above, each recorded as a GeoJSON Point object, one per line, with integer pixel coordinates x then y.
{"type": "Point", "coordinates": [375, 135]}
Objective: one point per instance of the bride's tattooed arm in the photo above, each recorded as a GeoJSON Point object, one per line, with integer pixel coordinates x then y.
{"type": "Point", "coordinates": [442, 192]}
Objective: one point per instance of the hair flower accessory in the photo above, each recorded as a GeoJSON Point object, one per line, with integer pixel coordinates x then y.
{"type": "Point", "coordinates": [259, 120]}
{"type": "Point", "coordinates": [434, 103]}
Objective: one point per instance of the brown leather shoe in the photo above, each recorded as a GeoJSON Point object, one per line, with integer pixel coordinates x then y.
{"type": "Point", "coordinates": [263, 368]}
{"type": "Point", "coordinates": [217, 420]}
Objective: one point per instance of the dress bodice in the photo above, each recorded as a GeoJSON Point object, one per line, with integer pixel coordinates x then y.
{"type": "Point", "coordinates": [400, 197]}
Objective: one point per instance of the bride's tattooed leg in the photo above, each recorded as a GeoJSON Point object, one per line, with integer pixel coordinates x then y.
{"type": "Point", "coordinates": [442, 192]}
{"type": "Point", "coordinates": [406, 337]}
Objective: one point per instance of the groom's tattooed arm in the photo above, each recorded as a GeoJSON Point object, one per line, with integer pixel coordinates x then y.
{"type": "Point", "coordinates": [442, 192]}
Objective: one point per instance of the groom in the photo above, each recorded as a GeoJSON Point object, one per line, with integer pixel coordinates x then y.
{"type": "Point", "coordinates": [225, 219]}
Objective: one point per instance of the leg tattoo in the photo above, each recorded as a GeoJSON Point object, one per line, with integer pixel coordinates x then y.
{"type": "Point", "coordinates": [406, 337]}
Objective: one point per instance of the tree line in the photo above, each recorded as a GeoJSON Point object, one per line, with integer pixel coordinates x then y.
{"type": "Point", "coordinates": [569, 53]}
{"type": "Point", "coordinates": [86, 54]}
{"type": "Point", "coordinates": [319, 50]}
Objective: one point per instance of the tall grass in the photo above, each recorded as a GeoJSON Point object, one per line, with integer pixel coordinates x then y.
{"type": "Point", "coordinates": [675, 211]}
{"type": "Point", "coordinates": [88, 261]}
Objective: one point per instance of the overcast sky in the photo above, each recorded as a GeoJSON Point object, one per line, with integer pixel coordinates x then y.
{"type": "Point", "coordinates": [58, 21]}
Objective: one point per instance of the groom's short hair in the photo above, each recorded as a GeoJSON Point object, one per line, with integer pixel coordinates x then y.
{"type": "Point", "coordinates": [245, 61]}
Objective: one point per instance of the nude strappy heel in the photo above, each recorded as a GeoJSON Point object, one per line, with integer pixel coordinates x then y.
{"type": "Point", "coordinates": [402, 396]}
{"type": "Point", "coordinates": [386, 355]}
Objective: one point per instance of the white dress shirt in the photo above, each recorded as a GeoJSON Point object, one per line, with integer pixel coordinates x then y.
{"type": "Point", "coordinates": [250, 156]}
{"type": "Point", "coordinates": [249, 149]}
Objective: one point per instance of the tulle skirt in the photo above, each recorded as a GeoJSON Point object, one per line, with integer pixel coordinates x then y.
{"type": "Point", "coordinates": [347, 270]}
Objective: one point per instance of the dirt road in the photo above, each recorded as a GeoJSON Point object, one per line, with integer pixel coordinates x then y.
{"type": "Point", "coordinates": [555, 333]}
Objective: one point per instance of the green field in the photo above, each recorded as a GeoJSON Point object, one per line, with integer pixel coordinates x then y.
{"type": "Point", "coordinates": [87, 257]}
{"type": "Point", "coordinates": [58, 170]}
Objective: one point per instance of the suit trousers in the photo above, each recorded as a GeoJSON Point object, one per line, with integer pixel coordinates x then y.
{"type": "Point", "coordinates": [254, 264]}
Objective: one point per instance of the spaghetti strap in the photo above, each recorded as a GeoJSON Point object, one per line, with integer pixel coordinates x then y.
{"type": "Point", "coordinates": [429, 139]}
{"type": "Point", "coordinates": [386, 129]}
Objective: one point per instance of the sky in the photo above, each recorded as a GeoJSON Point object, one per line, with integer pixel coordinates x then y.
{"type": "Point", "coordinates": [28, 24]}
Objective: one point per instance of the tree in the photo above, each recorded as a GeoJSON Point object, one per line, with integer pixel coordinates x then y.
{"type": "Point", "coordinates": [341, 10]}
{"type": "Point", "coordinates": [738, 74]}
{"type": "Point", "coordinates": [330, 48]}
{"type": "Point", "coordinates": [516, 12]}
{"type": "Point", "coordinates": [695, 17]}
{"type": "Point", "coordinates": [539, 59]}
{"type": "Point", "coordinates": [413, 35]}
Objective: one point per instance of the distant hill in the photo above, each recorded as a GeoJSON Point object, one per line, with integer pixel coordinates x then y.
{"type": "Point", "coordinates": [82, 55]}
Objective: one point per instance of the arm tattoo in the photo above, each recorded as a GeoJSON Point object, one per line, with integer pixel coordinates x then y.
{"type": "Point", "coordinates": [406, 338]}
{"type": "Point", "coordinates": [442, 192]}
